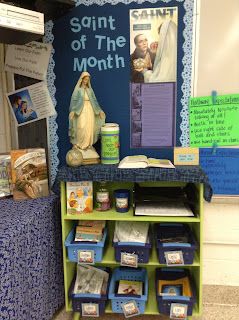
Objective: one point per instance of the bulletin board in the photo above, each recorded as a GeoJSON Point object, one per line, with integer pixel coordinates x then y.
{"type": "Point", "coordinates": [222, 167]}
{"type": "Point", "coordinates": [76, 48]}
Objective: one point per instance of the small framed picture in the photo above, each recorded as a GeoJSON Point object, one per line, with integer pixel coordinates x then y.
{"type": "Point", "coordinates": [129, 260]}
{"type": "Point", "coordinates": [130, 309]}
{"type": "Point", "coordinates": [86, 257]}
{"type": "Point", "coordinates": [90, 310]}
{"type": "Point", "coordinates": [178, 311]}
{"type": "Point", "coordinates": [174, 258]}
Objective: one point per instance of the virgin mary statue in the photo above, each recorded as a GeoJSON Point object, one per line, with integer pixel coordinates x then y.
{"type": "Point", "coordinates": [85, 118]}
{"type": "Point", "coordinates": [164, 68]}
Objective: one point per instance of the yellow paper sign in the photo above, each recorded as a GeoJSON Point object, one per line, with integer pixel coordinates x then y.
{"type": "Point", "coordinates": [186, 156]}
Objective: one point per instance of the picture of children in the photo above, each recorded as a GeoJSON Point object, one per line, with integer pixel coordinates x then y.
{"type": "Point", "coordinates": [72, 200]}
{"type": "Point", "coordinates": [25, 114]}
{"type": "Point", "coordinates": [79, 197]}
{"type": "Point", "coordinates": [22, 107]}
{"type": "Point", "coordinates": [30, 103]}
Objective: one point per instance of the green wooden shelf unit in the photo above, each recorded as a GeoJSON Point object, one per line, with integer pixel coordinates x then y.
{"type": "Point", "coordinates": [108, 258]}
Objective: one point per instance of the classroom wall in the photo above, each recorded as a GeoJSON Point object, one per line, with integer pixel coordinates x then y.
{"type": "Point", "coordinates": [5, 138]}
{"type": "Point", "coordinates": [218, 69]}
{"type": "Point", "coordinates": [221, 242]}
{"type": "Point", "coordinates": [218, 62]}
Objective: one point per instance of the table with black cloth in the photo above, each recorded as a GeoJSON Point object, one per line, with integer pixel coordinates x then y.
{"type": "Point", "coordinates": [31, 271]}
{"type": "Point", "coordinates": [100, 172]}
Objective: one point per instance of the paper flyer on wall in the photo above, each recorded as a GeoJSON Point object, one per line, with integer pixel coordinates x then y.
{"type": "Point", "coordinates": [153, 44]}
{"type": "Point", "coordinates": [31, 103]}
{"type": "Point", "coordinates": [30, 60]}
{"type": "Point", "coordinates": [153, 114]}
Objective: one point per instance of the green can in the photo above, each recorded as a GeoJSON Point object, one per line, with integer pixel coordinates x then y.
{"type": "Point", "coordinates": [110, 143]}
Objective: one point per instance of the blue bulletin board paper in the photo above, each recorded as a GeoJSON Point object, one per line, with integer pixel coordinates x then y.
{"type": "Point", "coordinates": [111, 85]}
{"type": "Point", "coordinates": [222, 169]}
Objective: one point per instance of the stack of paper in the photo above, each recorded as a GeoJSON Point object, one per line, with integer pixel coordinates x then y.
{"type": "Point", "coordinates": [149, 208]}
{"type": "Point", "coordinates": [128, 231]}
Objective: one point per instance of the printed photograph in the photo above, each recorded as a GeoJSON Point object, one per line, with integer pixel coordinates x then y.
{"type": "Point", "coordinates": [136, 114]}
{"type": "Point", "coordinates": [22, 107]}
{"type": "Point", "coordinates": [136, 140]}
{"type": "Point", "coordinates": [137, 126]}
{"type": "Point", "coordinates": [153, 44]}
{"type": "Point", "coordinates": [136, 96]}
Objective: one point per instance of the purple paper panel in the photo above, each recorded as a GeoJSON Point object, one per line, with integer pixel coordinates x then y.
{"type": "Point", "coordinates": [153, 115]}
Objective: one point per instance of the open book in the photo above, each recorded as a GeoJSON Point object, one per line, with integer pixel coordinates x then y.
{"type": "Point", "coordinates": [142, 161]}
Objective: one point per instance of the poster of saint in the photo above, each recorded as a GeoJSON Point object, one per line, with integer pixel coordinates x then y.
{"type": "Point", "coordinates": [153, 44]}
{"type": "Point", "coordinates": [153, 76]}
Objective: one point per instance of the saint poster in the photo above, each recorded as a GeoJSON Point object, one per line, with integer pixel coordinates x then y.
{"type": "Point", "coordinates": [153, 76]}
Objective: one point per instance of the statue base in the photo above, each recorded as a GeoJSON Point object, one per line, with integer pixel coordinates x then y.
{"type": "Point", "coordinates": [90, 161]}
{"type": "Point", "coordinates": [90, 156]}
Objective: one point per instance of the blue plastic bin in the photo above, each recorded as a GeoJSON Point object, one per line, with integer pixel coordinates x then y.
{"type": "Point", "coordinates": [139, 248]}
{"type": "Point", "coordinates": [164, 302]}
{"type": "Point", "coordinates": [100, 299]}
{"type": "Point", "coordinates": [164, 230]}
{"type": "Point", "coordinates": [117, 300]}
{"type": "Point", "coordinates": [73, 247]}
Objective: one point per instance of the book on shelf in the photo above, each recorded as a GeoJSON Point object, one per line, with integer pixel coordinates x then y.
{"type": "Point", "coordinates": [130, 287]}
{"type": "Point", "coordinates": [131, 231]}
{"type": "Point", "coordinates": [90, 280]}
{"type": "Point", "coordinates": [5, 175]}
{"type": "Point", "coordinates": [176, 239]}
{"type": "Point", "coordinates": [29, 173]}
{"type": "Point", "coordinates": [100, 224]}
{"type": "Point", "coordinates": [172, 290]}
{"type": "Point", "coordinates": [178, 287]}
{"type": "Point", "coordinates": [79, 197]}
{"type": "Point", "coordinates": [141, 161]}
{"type": "Point", "coordinates": [89, 231]}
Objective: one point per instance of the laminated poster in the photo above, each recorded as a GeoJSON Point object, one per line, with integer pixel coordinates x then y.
{"type": "Point", "coordinates": [153, 73]}
{"type": "Point", "coordinates": [214, 122]}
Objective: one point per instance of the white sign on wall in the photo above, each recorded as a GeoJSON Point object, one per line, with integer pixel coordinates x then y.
{"type": "Point", "coordinates": [30, 60]}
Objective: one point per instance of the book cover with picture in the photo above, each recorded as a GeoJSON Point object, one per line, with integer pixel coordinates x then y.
{"type": "Point", "coordinates": [79, 197]}
{"type": "Point", "coordinates": [29, 174]}
{"type": "Point", "coordinates": [5, 175]}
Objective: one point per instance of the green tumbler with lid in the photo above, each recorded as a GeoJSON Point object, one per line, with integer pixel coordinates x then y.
{"type": "Point", "coordinates": [110, 143]}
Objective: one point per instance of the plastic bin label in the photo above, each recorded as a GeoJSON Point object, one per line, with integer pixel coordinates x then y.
{"type": "Point", "coordinates": [86, 256]}
{"type": "Point", "coordinates": [129, 260]}
{"type": "Point", "coordinates": [174, 258]}
{"type": "Point", "coordinates": [130, 309]}
{"type": "Point", "coordinates": [178, 311]}
{"type": "Point", "coordinates": [90, 310]}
